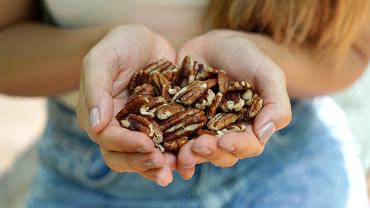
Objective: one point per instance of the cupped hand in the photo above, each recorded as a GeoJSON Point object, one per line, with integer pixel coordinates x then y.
{"type": "Point", "coordinates": [233, 52]}
{"type": "Point", "coordinates": [106, 72]}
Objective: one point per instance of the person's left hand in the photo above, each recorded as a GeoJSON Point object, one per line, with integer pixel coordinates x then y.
{"type": "Point", "coordinates": [233, 52]}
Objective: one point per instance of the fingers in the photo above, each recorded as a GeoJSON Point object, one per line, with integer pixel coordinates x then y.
{"type": "Point", "coordinates": [276, 112]}
{"type": "Point", "coordinates": [206, 146]}
{"type": "Point", "coordinates": [116, 138]}
{"type": "Point", "coordinates": [162, 176]}
{"type": "Point", "coordinates": [222, 152]}
{"type": "Point", "coordinates": [186, 161]}
{"type": "Point", "coordinates": [154, 166]}
{"type": "Point", "coordinates": [96, 92]}
{"type": "Point", "coordinates": [241, 145]}
{"type": "Point", "coordinates": [133, 162]}
{"type": "Point", "coordinates": [170, 160]}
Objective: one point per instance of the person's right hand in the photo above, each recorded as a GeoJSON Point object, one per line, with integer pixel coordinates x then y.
{"type": "Point", "coordinates": [107, 70]}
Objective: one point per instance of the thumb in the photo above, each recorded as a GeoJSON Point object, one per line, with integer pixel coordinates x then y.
{"type": "Point", "coordinates": [96, 92]}
{"type": "Point", "coordinates": [276, 112]}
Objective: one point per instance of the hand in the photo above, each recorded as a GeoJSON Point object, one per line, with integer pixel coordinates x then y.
{"type": "Point", "coordinates": [107, 70]}
{"type": "Point", "coordinates": [232, 51]}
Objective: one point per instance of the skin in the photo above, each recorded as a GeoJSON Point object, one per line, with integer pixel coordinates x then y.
{"type": "Point", "coordinates": [272, 68]}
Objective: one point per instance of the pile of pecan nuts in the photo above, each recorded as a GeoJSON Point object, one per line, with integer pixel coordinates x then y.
{"type": "Point", "coordinates": [174, 104]}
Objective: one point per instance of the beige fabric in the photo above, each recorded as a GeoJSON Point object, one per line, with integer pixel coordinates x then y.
{"type": "Point", "coordinates": [176, 20]}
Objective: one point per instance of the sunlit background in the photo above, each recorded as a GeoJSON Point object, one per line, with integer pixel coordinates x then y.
{"type": "Point", "coordinates": [22, 121]}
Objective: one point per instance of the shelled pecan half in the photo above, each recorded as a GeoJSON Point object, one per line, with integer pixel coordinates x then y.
{"type": "Point", "coordinates": [190, 93]}
{"type": "Point", "coordinates": [221, 120]}
{"type": "Point", "coordinates": [145, 125]}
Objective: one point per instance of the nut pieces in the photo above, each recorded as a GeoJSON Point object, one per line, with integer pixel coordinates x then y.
{"type": "Point", "coordinates": [174, 104]}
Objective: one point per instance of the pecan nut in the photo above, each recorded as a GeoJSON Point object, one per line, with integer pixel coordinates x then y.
{"type": "Point", "coordinates": [184, 130]}
{"type": "Point", "coordinates": [139, 78]}
{"type": "Point", "coordinates": [145, 89]}
{"type": "Point", "coordinates": [149, 109]}
{"type": "Point", "coordinates": [183, 123]}
{"type": "Point", "coordinates": [214, 106]}
{"type": "Point", "coordinates": [206, 73]}
{"type": "Point", "coordinates": [223, 81]}
{"type": "Point", "coordinates": [172, 74]}
{"type": "Point", "coordinates": [144, 125]}
{"type": "Point", "coordinates": [238, 127]}
{"type": "Point", "coordinates": [206, 131]}
{"type": "Point", "coordinates": [222, 120]}
{"type": "Point", "coordinates": [232, 102]}
{"type": "Point", "coordinates": [190, 93]}
{"type": "Point", "coordinates": [175, 145]}
{"type": "Point", "coordinates": [206, 100]}
{"type": "Point", "coordinates": [162, 85]}
{"type": "Point", "coordinates": [133, 105]}
{"type": "Point", "coordinates": [188, 71]}
{"type": "Point", "coordinates": [238, 85]}
{"type": "Point", "coordinates": [144, 75]}
{"type": "Point", "coordinates": [188, 116]}
{"type": "Point", "coordinates": [167, 110]}
{"type": "Point", "coordinates": [248, 97]}
{"type": "Point", "coordinates": [256, 106]}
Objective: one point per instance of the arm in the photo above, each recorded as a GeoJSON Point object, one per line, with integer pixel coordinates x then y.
{"type": "Point", "coordinates": [51, 55]}
{"type": "Point", "coordinates": [36, 59]}
{"type": "Point", "coordinates": [307, 77]}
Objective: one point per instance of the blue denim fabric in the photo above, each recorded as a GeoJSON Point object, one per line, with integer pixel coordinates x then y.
{"type": "Point", "coordinates": [303, 165]}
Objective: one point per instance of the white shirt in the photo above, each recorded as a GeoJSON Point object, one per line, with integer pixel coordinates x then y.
{"type": "Point", "coordinates": [176, 20]}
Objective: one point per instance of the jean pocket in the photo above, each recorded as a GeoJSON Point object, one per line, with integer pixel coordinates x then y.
{"type": "Point", "coordinates": [67, 156]}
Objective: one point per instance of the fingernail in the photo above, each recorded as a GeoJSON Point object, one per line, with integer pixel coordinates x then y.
{"type": "Point", "coordinates": [159, 182]}
{"type": "Point", "coordinates": [265, 132]}
{"type": "Point", "coordinates": [188, 166]}
{"type": "Point", "coordinates": [94, 117]}
{"type": "Point", "coordinates": [202, 150]}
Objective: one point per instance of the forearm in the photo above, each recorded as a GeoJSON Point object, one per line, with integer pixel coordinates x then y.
{"type": "Point", "coordinates": [37, 59]}
{"type": "Point", "coordinates": [306, 76]}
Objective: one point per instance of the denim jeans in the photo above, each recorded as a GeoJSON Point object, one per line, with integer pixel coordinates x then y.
{"type": "Point", "coordinates": [312, 163]}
